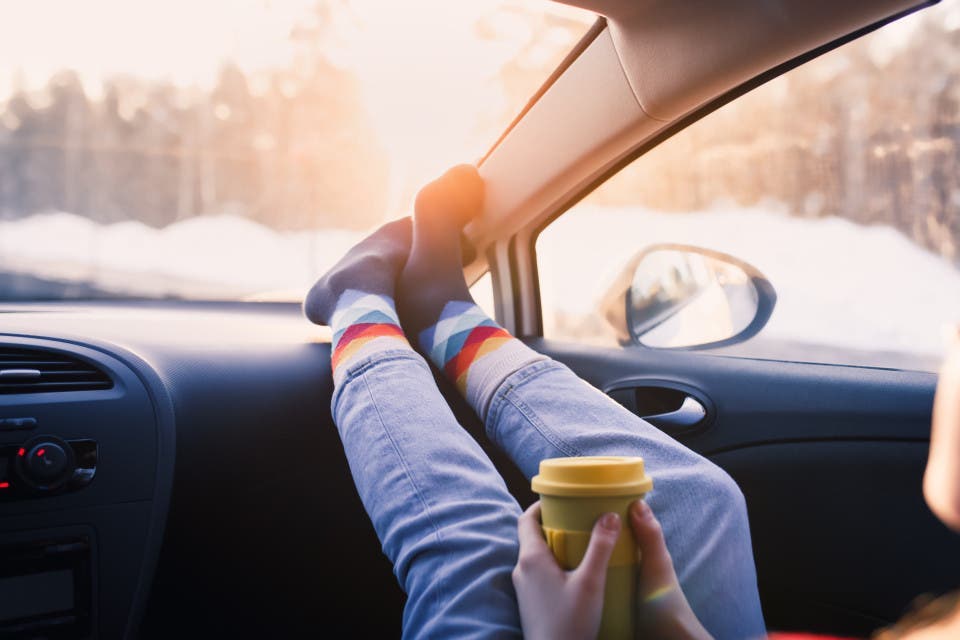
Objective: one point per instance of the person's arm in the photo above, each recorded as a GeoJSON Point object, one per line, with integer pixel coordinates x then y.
{"type": "Point", "coordinates": [941, 481]}
{"type": "Point", "coordinates": [566, 605]}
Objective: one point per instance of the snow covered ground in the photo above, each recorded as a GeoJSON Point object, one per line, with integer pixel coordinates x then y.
{"type": "Point", "coordinates": [210, 257]}
{"type": "Point", "coordinates": [838, 283]}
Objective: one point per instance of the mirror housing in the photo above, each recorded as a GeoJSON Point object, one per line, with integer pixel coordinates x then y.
{"type": "Point", "coordinates": [673, 296]}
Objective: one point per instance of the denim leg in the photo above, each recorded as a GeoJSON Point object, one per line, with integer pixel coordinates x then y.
{"type": "Point", "coordinates": [545, 411]}
{"type": "Point", "coordinates": [442, 512]}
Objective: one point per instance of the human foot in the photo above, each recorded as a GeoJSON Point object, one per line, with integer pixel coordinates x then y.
{"type": "Point", "coordinates": [433, 275]}
{"type": "Point", "coordinates": [435, 305]}
{"type": "Point", "coordinates": [371, 266]}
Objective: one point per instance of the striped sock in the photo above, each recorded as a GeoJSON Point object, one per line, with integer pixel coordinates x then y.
{"type": "Point", "coordinates": [363, 323]}
{"type": "Point", "coordinates": [474, 352]}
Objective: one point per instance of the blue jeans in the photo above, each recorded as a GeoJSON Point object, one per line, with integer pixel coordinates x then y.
{"type": "Point", "coordinates": [448, 523]}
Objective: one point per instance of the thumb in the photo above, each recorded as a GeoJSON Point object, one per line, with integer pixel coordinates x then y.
{"type": "Point", "coordinates": [657, 576]}
{"type": "Point", "coordinates": [604, 536]}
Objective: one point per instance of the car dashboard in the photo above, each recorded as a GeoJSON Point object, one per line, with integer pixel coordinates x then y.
{"type": "Point", "coordinates": [173, 468]}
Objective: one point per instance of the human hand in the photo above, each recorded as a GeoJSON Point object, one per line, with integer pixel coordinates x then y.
{"type": "Point", "coordinates": [557, 604]}
{"type": "Point", "coordinates": [567, 605]}
{"type": "Point", "coordinates": [662, 609]}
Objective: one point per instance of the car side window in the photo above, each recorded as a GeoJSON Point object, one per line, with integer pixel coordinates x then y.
{"type": "Point", "coordinates": [482, 293]}
{"type": "Point", "coordinates": [839, 181]}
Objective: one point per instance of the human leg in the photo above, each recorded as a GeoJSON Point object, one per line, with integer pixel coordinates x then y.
{"type": "Point", "coordinates": [535, 408]}
{"type": "Point", "coordinates": [544, 410]}
{"type": "Point", "coordinates": [441, 511]}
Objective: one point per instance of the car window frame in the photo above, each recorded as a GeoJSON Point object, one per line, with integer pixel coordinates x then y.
{"type": "Point", "coordinates": [513, 260]}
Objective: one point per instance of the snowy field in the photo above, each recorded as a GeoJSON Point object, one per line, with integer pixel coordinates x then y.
{"type": "Point", "coordinates": [208, 257]}
{"type": "Point", "coordinates": [838, 283]}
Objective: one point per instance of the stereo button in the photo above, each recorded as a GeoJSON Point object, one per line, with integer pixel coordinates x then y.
{"type": "Point", "coordinates": [45, 462]}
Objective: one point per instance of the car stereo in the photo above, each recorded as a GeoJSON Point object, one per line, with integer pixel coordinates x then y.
{"type": "Point", "coordinates": [86, 462]}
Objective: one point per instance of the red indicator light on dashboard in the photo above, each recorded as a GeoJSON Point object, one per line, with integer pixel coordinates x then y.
{"type": "Point", "coordinates": [22, 452]}
{"type": "Point", "coordinates": [4, 485]}
{"type": "Point", "coordinates": [41, 452]}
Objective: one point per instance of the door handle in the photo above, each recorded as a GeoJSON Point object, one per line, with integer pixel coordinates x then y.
{"type": "Point", "coordinates": [690, 413]}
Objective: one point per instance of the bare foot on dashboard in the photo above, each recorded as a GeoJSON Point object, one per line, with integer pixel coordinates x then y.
{"type": "Point", "coordinates": [371, 266]}
{"type": "Point", "coordinates": [433, 275]}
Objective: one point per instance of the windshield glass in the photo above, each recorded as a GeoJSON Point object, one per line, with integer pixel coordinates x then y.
{"type": "Point", "coordinates": [234, 149]}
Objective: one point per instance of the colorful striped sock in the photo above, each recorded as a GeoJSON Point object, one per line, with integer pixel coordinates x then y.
{"type": "Point", "coordinates": [475, 352]}
{"type": "Point", "coordinates": [363, 323]}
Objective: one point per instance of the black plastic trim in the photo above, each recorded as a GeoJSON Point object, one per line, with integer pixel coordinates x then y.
{"type": "Point", "coordinates": [695, 392]}
{"type": "Point", "coordinates": [764, 443]}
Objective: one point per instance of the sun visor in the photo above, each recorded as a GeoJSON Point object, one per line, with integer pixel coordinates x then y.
{"type": "Point", "coordinates": [680, 54]}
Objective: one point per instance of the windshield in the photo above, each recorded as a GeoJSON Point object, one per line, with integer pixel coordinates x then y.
{"type": "Point", "coordinates": [234, 149]}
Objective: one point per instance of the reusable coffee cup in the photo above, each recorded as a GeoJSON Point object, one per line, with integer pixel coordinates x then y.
{"type": "Point", "coordinates": [574, 493]}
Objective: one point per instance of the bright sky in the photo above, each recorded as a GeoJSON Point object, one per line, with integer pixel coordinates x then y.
{"type": "Point", "coordinates": [428, 77]}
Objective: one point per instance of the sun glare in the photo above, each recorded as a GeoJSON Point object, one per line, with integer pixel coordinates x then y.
{"type": "Point", "coordinates": [427, 69]}
{"type": "Point", "coordinates": [255, 140]}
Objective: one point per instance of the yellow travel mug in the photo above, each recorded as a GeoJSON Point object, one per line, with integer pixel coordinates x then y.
{"type": "Point", "coordinates": [574, 493]}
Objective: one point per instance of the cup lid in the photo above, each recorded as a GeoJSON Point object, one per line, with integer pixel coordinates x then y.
{"type": "Point", "coordinates": [592, 476]}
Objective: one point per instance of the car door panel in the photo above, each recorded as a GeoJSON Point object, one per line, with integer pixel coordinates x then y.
{"type": "Point", "coordinates": [842, 538]}
{"type": "Point", "coordinates": [830, 460]}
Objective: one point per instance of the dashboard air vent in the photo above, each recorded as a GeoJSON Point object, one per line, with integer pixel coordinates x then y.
{"type": "Point", "coordinates": [38, 371]}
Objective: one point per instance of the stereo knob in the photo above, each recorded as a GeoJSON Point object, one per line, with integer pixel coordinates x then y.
{"type": "Point", "coordinates": [45, 462]}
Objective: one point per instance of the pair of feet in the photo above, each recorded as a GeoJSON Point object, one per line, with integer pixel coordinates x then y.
{"type": "Point", "coordinates": [415, 262]}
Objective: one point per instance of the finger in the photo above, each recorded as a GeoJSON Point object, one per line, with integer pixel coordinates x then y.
{"type": "Point", "coordinates": [530, 533]}
{"type": "Point", "coordinates": [602, 539]}
{"type": "Point", "coordinates": [657, 576]}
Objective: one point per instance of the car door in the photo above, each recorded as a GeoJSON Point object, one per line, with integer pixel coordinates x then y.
{"type": "Point", "coordinates": [826, 181]}
{"type": "Point", "coordinates": [830, 459]}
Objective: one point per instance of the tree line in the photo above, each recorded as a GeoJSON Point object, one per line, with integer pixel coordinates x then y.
{"type": "Point", "coordinates": [873, 141]}
{"type": "Point", "coordinates": [853, 135]}
{"type": "Point", "coordinates": [297, 154]}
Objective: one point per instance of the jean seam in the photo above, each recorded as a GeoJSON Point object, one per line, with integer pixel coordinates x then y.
{"type": "Point", "coordinates": [502, 395]}
{"type": "Point", "coordinates": [507, 394]}
{"type": "Point", "coordinates": [548, 434]}
{"type": "Point", "coordinates": [406, 467]}
{"type": "Point", "coordinates": [521, 367]}
{"type": "Point", "coordinates": [356, 369]}
{"type": "Point", "coordinates": [509, 383]}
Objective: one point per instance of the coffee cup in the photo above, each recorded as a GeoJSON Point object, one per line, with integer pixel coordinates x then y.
{"type": "Point", "coordinates": [574, 493]}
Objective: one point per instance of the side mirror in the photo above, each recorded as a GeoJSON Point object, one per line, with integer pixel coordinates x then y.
{"type": "Point", "coordinates": [672, 296]}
